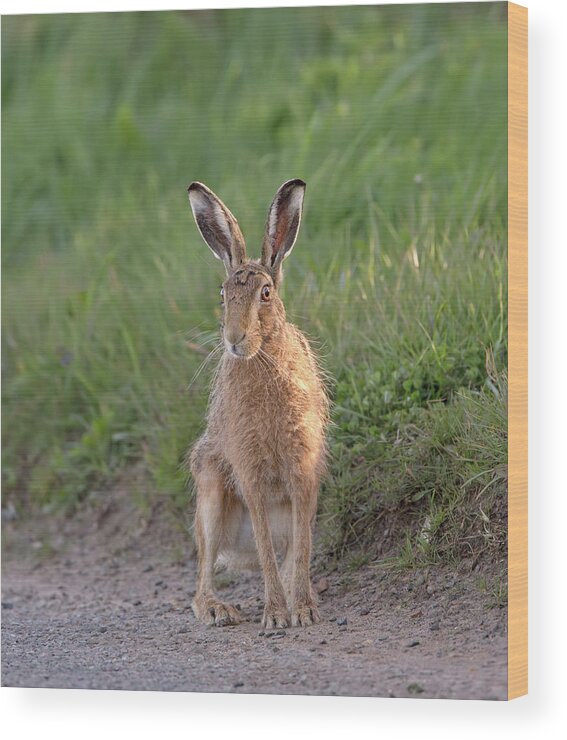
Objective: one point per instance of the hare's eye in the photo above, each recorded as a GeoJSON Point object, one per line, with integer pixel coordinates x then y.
{"type": "Point", "coordinates": [266, 293]}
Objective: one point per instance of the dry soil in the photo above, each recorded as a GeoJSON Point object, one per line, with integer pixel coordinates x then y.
{"type": "Point", "coordinates": [102, 601]}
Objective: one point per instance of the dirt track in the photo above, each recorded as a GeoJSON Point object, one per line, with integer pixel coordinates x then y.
{"type": "Point", "coordinates": [94, 615]}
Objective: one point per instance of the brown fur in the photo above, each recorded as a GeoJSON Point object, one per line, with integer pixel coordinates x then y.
{"type": "Point", "coordinates": [258, 465]}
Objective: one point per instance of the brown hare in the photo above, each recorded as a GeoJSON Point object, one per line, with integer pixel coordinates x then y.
{"type": "Point", "coordinates": [257, 466]}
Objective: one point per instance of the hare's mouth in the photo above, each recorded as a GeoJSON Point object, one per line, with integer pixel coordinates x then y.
{"type": "Point", "coordinates": [239, 352]}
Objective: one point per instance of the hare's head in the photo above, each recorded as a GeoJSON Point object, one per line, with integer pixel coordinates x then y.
{"type": "Point", "coordinates": [253, 312]}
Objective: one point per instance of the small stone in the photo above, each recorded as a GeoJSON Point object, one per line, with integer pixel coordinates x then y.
{"type": "Point", "coordinates": [322, 585]}
{"type": "Point", "coordinates": [238, 684]}
{"type": "Point", "coordinates": [323, 642]}
{"type": "Point", "coordinates": [7, 605]}
{"type": "Point", "coordinates": [342, 621]}
{"type": "Point", "coordinates": [103, 629]}
{"type": "Point", "coordinates": [364, 612]}
{"type": "Point", "coordinates": [332, 619]}
{"type": "Point", "coordinates": [430, 589]}
{"type": "Point", "coordinates": [415, 688]}
{"type": "Point", "coordinates": [434, 626]}
{"type": "Point", "coordinates": [413, 643]}
{"type": "Point", "coordinates": [137, 603]}
{"type": "Point", "coordinates": [466, 565]}
{"type": "Point", "coordinates": [261, 633]}
{"type": "Point", "coordinates": [268, 634]}
{"type": "Point", "coordinates": [148, 569]}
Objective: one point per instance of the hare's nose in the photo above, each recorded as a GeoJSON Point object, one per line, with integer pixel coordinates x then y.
{"type": "Point", "coordinates": [238, 341]}
{"type": "Point", "coordinates": [234, 340]}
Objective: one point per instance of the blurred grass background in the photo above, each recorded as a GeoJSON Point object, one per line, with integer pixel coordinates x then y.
{"type": "Point", "coordinates": [395, 116]}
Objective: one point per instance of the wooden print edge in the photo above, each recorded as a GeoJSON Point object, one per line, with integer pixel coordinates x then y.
{"type": "Point", "coordinates": [518, 350]}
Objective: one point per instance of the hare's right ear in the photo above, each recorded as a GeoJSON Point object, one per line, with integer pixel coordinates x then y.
{"type": "Point", "coordinates": [217, 225]}
{"type": "Point", "coordinates": [284, 218]}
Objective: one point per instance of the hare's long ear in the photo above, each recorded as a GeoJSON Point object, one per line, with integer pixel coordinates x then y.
{"type": "Point", "coordinates": [283, 224]}
{"type": "Point", "coordinates": [217, 225]}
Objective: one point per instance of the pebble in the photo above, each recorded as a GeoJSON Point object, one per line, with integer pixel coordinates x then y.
{"type": "Point", "coordinates": [148, 568]}
{"type": "Point", "coordinates": [466, 565]}
{"type": "Point", "coordinates": [238, 684]}
{"type": "Point", "coordinates": [434, 626]}
{"type": "Point", "coordinates": [364, 612]}
{"type": "Point", "coordinates": [413, 643]}
{"type": "Point", "coordinates": [323, 642]}
{"type": "Point", "coordinates": [342, 621]}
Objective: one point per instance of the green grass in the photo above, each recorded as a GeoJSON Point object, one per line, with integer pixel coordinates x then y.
{"type": "Point", "coordinates": [395, 117]}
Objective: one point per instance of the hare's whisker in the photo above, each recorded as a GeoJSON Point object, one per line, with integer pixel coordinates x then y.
{"type": "Point", "coordinates": [205, 362]}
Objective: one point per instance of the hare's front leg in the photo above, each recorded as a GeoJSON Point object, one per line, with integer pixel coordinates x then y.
{"type": "Point", "coordinates": [303, 602]}
{"type": "Point", "coordinates": [211, 515]}
{"type": "Point", "coordinates": [275, 610]}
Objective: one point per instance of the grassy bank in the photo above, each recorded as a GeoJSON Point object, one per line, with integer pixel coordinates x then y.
{"type": "Point", "coordinates": [395, 117]}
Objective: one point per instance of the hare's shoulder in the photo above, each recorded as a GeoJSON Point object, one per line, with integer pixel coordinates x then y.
{"type": "Point", "coordinates": [298, 338]}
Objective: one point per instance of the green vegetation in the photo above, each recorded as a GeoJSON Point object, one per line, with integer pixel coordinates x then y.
{"type": "Point", "coordinates": [395, 117]}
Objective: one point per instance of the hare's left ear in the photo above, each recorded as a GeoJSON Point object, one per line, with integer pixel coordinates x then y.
{"type": "Point", "coordinates": [282, 226]}
{"type": "Point", "coordinates": [217, 225]}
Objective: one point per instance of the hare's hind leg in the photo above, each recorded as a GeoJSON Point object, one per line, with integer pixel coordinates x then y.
{"type": "Point", "coordinates": [213, 515]}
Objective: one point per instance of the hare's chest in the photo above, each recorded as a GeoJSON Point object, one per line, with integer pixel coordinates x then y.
{"type": "Point", "coordinates": [262, 432]}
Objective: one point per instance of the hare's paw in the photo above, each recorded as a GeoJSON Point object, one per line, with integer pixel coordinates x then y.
{"type": "Point", "coordinates": [303, 615]}
{"type": "Point", "coordinates": [275, 616]}
{"type": "Point", "coordinates": [211, 611]}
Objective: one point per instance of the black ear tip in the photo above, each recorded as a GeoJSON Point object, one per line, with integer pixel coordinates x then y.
{"type": "Point", "coordinates": [199, 187]}
{"type": "Point", "coordinates": [292, 184]}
